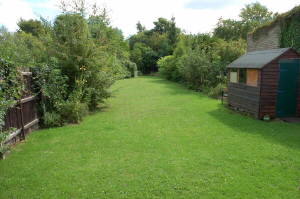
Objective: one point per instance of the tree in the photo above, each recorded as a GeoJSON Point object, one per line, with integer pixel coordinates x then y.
{"type": "Point", "coordinates": [252, 16]}
{"type": "Point", "coordinates": [229, 29]}
{"type": "Point", "coordinates": [140, 28]}
{"type": "Point", "coordinates": [31, 26]}
{"type": "Point", "coordinates": [73, 44]}
{"type": "Point", "coordinates": [256, 14]}
{"type": "Point", "coordinates": [157, 42]}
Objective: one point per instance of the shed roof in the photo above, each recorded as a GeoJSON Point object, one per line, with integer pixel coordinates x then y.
{"type": "Point", "coordinates": [257, 59]}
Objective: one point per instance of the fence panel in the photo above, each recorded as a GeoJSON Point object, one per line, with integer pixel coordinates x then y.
{"type": "Point", "coordinates": [23, 116]}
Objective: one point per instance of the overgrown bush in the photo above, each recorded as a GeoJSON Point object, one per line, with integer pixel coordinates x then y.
{"type": "Point", "coordinates": [52, 119]}
{"type": "Point", "coordinates": [216, 92]}
{"type": "Point", "coordinates": [10, 88]}
{"type": "Point", "coordinates": [73, 111]}
{"type": "Point", "coordinates": [132, 68]}
{"type": "Point", "coordinates": [10, 91]}
{"type": "Point", "coordinates": [200, 61]}
{"type": "Point", "coordinates": [167, 67]}
{"type": "Point", "coordinates": [196, 70]}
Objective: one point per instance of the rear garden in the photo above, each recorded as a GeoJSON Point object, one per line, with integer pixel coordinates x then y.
{"type": "Point", "coordinates": [157, 139]}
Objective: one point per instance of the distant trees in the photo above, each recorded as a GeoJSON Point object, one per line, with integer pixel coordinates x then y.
{"type": "Point", "coordinates": [252, 16]}
{"type": "Point", "coordinates": [147, 46]}
{"type": "Point", "coordinates": [200, 61]}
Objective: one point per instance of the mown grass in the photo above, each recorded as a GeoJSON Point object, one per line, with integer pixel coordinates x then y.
{"type": "Point", "coordinates": [157, 139]}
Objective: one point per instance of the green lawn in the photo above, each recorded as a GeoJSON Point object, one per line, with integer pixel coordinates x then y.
{"type": "Point", "coordinates": [157, 139]}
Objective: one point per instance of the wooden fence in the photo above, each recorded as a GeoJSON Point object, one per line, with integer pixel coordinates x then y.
{"type": "Point", "coordinates": [23, 116]}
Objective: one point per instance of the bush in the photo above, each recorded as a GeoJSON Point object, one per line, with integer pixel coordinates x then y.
{"type": "Point", "coordinates": [132, 68]}
{"type": "Point", "coordinates": [216, 92]}
{"type": "Point", "coordinates": [169, 68]}
{"type": "Point", "coordinates": [52, 119]}
{"type": "Point", "coordinates": [73, 111]}
{"type": "Point", "coordinates": [196, 70]}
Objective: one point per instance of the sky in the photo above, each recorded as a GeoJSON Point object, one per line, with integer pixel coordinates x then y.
{"type": "Point", "coordinates": [193, 16]}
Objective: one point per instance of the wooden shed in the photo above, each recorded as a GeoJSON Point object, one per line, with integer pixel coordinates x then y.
{"type": "Point", "coordinates": [266, 83]}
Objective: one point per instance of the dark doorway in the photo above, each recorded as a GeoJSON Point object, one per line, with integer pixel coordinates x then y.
{"type": "Point", "coordinates": [287, 91]}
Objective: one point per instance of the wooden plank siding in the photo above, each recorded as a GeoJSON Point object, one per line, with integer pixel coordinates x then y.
{"type": "Point", "coordinates": [269, 85]}
{"type": "Point", "coordinates": [245, 98]}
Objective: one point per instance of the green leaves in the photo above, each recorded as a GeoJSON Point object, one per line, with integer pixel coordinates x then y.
{"type": "Point", "coordinates": [252, 16]}
{"type": "Point", "coordinates": [10, 88]}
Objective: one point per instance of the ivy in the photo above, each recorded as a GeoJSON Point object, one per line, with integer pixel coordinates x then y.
{"type": "Point", "coordinates": [290, 30]}
{"type": "Point", "coordinates": [10, 88]}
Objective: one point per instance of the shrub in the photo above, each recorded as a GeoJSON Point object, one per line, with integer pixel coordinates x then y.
{"type": "Point", "coordinates": [73, 111]}
{"type": "Point", "coordinates": [216, 92]}
{"type": "Point", "coordinates": [52, 119]}
{"type": "Point", "coordinates": [196, 69]}
{"type": "Point", "coordinates": [132, 68]}
{"type": "Point", "coordinates": [169, 68]}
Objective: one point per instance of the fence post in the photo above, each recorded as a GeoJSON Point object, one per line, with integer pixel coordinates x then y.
{"type": "Point", "coordinates": [22, 120]}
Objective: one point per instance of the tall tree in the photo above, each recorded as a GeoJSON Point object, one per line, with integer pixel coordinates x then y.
{"type": "Point", "coordinates": [256, 14]}
{"type": "Point", "coordinates": [140, 28]}
{"type": "Point", "coordinates": [252, 16]}
{"type": "Point", "coordinates": [34, 27]}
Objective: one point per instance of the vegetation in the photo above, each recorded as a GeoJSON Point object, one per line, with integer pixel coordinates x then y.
{"type": "Point", "coordinates": [147, 46]}
{"type": "Point", "coordinates": [157, 140]}
{"type": "Point", "coordinates": [290, 26]}
{"type": "Point", "coordinates": [252, 16]}
{"type": "Point", "coordinates": [10, 90]}
{"type": "Point", "coordinates": [74, 61]}
{"type": "Point", "coordinates": [199, 61]}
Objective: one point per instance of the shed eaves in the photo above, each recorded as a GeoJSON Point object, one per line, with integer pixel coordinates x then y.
{"type": "Point", "coordinates": [257, 59]}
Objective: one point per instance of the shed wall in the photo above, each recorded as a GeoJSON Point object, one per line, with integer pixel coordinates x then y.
{"type": "Point", "coordinates": [269, 84]}
{"type": "Point", "coordinates": [244, 97]}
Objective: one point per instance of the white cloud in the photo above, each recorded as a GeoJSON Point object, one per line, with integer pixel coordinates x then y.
{"type": "Point", "coordinates": [12, 10]}
{"type": "Point", "coordinates": [126, 13]}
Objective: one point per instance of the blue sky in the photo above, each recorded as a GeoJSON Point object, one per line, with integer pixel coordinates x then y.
{"type": "Point", "coordinates": [193, 16]}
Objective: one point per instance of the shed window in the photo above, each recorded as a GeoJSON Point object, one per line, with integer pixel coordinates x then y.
{"type": "Point", "coordinates": [252, 77]}
{"type": "Point", "coordinates": [242, 75]}
{"type": "Point", "coordinates": [233, 76]}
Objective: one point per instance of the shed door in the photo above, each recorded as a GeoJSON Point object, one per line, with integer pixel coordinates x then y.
{"type": "Point", "coordinates": [288, 88]}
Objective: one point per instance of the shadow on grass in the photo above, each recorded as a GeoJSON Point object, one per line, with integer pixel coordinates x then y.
{"type": "Point", "coordinates": [286, 134]}
{"type": "Point", "coordinates": [174, 88]}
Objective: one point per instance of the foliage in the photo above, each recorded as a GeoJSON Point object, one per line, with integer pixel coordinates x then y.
{"type": "Point", "coordinates": [148, 46]}
{"type": "Point", "coordinates": [200, 61]}
{"type": "Point", "coordinates": [34, 27]}
{"type": "Point", "coordinates": [290, 29]}
{"type": "Point", "coordinates": [229, 29]}
{"type": "Point", "coordinates": [3, 147]}
{"type": "Point", "coordinates": [196, 70]}
{"type": "Point", "coordinates": [132, 68]}
{"type": "Point", "coordinates": [73, 111]}
{"type": "Point", "coordinates": [10, 91]}
{"type": "Point", "coordinates": [52, 119]}
{"type": "Point", "coordinates": [74, 60]}
{"type": "Point", "coordinates": [10, 88]}
{"type": "Point", "coordinates": [255, 14]}
{"type": "Point", "coordinates": [168, 68]}
{"type": "Point", "coordinates": [21, 49]}
{"type": "Point", "coordinates": [252, 16]}
{"type": "Point", "coordinates": [51, 86]}
{"type": "Point", "coordinates": [217, 91]}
